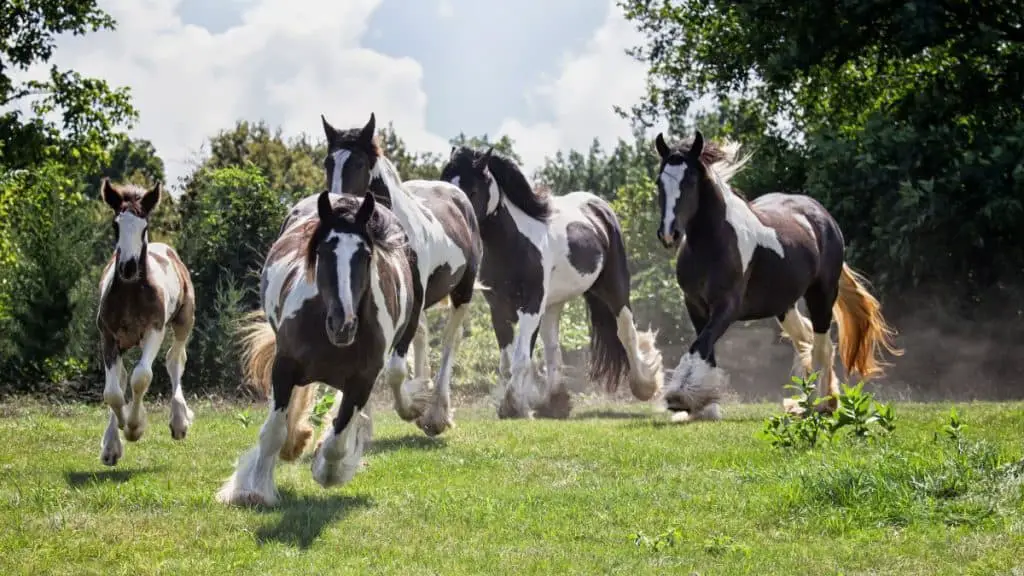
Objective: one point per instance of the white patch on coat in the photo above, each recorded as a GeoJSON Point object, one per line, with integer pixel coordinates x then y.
{"type": "Point", "coordinates": [433, 247]}
{"type": "Point", "coordinates": [671, 177]}
{"type": "Point", "coordinates": [340, 157]}
{"type": "Point", "coordinates": [566, 281]}
{"type": "Point", "coordinates": [803, 221]}
{"type": "Point", "coordinates": [347, 247]}
{"type": "Point", "coordinates": [750, 231]}
{"type": "Point", "coordinates": [131, 236]}
{"type": "Point", "coordinates": [167, 279]}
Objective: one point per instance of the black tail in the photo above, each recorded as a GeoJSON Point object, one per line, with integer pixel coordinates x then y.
{"type": "Point", "coordinates": [608, 359]}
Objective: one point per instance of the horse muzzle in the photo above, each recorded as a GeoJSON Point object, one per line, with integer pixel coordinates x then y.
{"type": "Point", "coordinates": [128, 271]}
{"type": "Point", "coordinates": [669, 240]}
{"type": "Point", "coordinates": [341, 333]}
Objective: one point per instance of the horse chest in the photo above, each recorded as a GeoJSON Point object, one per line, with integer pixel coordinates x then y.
{"type": "Point", "coordinates": [128, 312]}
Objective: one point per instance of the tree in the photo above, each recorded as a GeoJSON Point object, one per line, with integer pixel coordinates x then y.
{"type": "Point", "coordinates": [91, 111]}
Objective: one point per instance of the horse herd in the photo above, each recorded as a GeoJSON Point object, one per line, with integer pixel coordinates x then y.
{"type": "Point", "coordinates": [346, 283]}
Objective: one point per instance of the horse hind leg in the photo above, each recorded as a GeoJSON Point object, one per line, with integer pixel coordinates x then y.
{"type": "Point", "coordinates": [798, 329]}
{"type": "Point", "coordinates": [557, 404]}
{"type": "Point", "coordinates": [181, 414]}
{"type": "Point", "coordinates": [438, 416]}
{"type": "Point", "coordinates": [646, 372]}
{"type": "Point", "coordinates": [819, 305]}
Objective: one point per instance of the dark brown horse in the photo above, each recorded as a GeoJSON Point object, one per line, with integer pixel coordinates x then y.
{"type": "Point", "coordinates": [144, 289]}
{"type": "Point", "coordinates": [337, 292]}
{"type": "Point", "coordinates": [743, 260]}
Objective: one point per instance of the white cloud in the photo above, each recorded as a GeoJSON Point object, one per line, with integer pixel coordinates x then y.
{"type": "Point", "coordinates": [286, 62]}
{"type": "Point", "coordinates": [445, 9]}
{"type": "Point", "coordinates": [581, 99]}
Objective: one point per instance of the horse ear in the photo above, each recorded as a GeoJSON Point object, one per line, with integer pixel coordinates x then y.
{"type": "Point", "coordinates": [366, 134]}
{"type": "Point", "coordinates": [329, 130]}
{"type": "Point", "coordinates": [111, 195]}
{"type": "Point", "coordinates": [698, 145]}
{"type": "Point", "coordinates": [366, 210]}
{"type": "Point", "coordinates": [484, 161]}
{"type": "Point", "coordinates": [324, 209]}
{"type": "Point", "coordinates": [452, 154]}
{"type": "Point", "coordinates": [661, 146]}
{"type": "Point", "coordinates": [151, 199]}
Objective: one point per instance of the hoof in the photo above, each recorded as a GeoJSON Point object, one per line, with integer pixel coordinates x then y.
{"type": "Point", "coordinates": [558, 406]}
{"type": "Point", "coordinates": [510, 408]}
{"type": "Point", "coordinates": [435, 422]}
{"type": "Point", "coordinates": [178, 434]}
{"type": "Point", "coordinates": [246, 498]}
{"type": "Point", "coordinates": [133, 432]}
{"type": "Point", "coordinates": [110, 456]}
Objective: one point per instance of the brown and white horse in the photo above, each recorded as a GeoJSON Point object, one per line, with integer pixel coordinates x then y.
{"type": "Point", "coordinates": [144, 289]}
{"type": "Point", "coordinates": [743, 260]}
{"type": "Point", "coordinates": [337, 292]}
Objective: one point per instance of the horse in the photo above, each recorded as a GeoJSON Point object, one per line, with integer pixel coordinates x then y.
{"type": "Point", "coordinates": [337, 295]}
{"type": "Point", "coordinates": [540, 251]}
{"type": "Point", "coordinates": [749, 260]}
{"type": "Point", "coordinates": [445, 238]}
{"type": "Point", "coordinates": [144, 288]}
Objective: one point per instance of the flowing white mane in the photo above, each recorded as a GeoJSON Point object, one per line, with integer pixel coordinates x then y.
{"type": "Point", "coordinates": [733, 163]}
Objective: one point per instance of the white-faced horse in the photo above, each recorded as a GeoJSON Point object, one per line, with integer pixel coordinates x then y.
{"type": "Point", "coordinates": [443, 234]}
{"type": "Point", "coordinates": [144, 289]}
{"type": "Point", "coordinates": [743, 260]}
{"type": "Point", "coordinates": [539, 252]}
{"type": "Point", "coordinates": [337, 296]}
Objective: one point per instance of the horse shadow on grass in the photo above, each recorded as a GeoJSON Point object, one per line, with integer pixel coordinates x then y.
{"type": "Point", "coordinates": [605, 414]}
{"type": "Point", "coordinates": [304, 517]}
{"type": "Point", "coordinates": [114, 476]}
{"type": "Point", "coordinates": [410, 441]}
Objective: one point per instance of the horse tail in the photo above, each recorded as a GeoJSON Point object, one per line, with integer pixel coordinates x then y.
{"type": "Point", "coordinates": [608, 359]}
{"type": "Point", "coordinates": [259, 348]}
{"type": "Point", "coordinates": [863, 331]}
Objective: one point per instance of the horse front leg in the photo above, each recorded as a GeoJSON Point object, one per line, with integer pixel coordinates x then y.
{"type": "Point", "coordinates": [411, 397]}
{"type": "Point", "coordinates": [142, 376]}
{"type": "Point", "coordinates": [698, 383]}
{"type": "Point", "coordinates": [557, 404]}
{"type": "Point", "coordinates": [340, 451]}
{"type": "Point", "coordinates": [523, 386]}
{"type": "Point", "coordinates": [111, 449]}
{"type": "Point", "coordinates": [253, 479]}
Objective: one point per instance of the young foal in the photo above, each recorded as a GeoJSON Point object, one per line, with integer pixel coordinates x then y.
{"type": "Point", "coordinates": [751, 260]}
{"type": "Point", "coordinates": [540, 252]}
{"type": "Point", "coordinates": [144, 288]}
{"type": "Point", "coordinates": [443, 234]}
{"type": "Point", "coordinates": [337, 296]}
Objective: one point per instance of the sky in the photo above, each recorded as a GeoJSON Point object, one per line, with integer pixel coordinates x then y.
{"type": "Point", "coordinates": [546, 73]}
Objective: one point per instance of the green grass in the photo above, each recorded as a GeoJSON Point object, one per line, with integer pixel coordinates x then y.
{"type": "Point", "coordinates": [615, 490]}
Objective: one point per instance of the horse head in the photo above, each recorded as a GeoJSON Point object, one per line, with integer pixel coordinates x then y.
{"type": "Point", "coordinates": [132, 206]}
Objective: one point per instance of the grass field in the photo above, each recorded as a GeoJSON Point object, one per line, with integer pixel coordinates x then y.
{"type": "Point", "coordinates": [521, 497]}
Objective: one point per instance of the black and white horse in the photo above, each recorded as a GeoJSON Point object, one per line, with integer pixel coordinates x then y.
{"type": "Point", "coordinates": [337, 293]}
{"type": "Point", "coordinates": [445, 238]}
{"type": "Point", "coordinates": [743, 260]}
{"type": "Point", "coordinates": [541, 251]}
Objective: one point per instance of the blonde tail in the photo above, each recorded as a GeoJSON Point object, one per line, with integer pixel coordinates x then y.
{"type": "Point", "coordinates": [863, 332]}
{"type": "Point", "coordinates": [259, 348]}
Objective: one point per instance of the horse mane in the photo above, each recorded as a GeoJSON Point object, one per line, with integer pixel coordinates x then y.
{"type": "Point", "coordinates": [384, 231]}
{"type": "Point", "coordinates": [131, 195]}
{"type": "Point", "coordinates": [351, 136]}
{"type": "Point", "coordinates": [517, 189]}
{"type": "Point", "coordinates": [724, 159]}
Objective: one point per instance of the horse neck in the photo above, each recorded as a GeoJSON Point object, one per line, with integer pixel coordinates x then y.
{"type": "Point", "coordinates": [402, 203]}
{"type": "Point", "coordinates": [717, 199]}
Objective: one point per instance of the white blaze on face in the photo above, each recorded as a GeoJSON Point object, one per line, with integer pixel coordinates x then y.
{"type": "Point", "coordinates": [131, 236]}
{"type": "Point", "coordinates": [348, 245]}
{"type": "Point", "coordinates": [340, 157]}
{"type": "Point", "coordinates": [671, 177]}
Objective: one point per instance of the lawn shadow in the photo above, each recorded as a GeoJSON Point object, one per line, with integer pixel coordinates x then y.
{"type": "Point", "coordinates": [303, 518]}
{"type": "Point", "coordinates": [411, 441]}
{"type": "Point", "coordinates": [116, 476]}
{"type": "Point", "coordinates": [610, 415]}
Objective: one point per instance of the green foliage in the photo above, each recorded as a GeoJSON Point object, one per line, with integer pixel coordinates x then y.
{"type": "Point", "coordinates": [857, 412]}
{"type": "Point", "coordinates": [909, 133]}
{"type": "Point", "coordinates": [90, 110]}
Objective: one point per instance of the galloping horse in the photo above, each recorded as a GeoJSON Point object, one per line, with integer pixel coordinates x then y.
{"type": "Point", "coordinates": [337, 292]}
{"type": "Point", "coordinates": [743, 260]}
{"type": "Point", "coordinates": [144, 288]}
{"type": "Point", "coordinates": [540, 252]}
{"type": "Point", "coordinates": [445, 238]}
